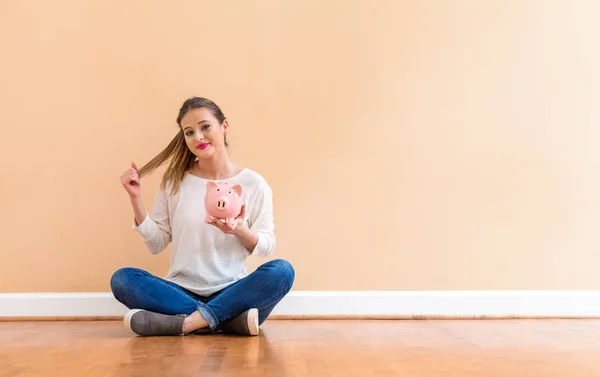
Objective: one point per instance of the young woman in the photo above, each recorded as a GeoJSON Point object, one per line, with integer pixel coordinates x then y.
{"type": "Point", "coordinates": [207, 288]}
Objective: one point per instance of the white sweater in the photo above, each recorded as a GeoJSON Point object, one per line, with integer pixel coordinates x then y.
{"type": "Point", "coordinates": [206, 260]}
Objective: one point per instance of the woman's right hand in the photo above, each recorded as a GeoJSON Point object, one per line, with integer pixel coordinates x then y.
{"type": "Point", "coordinates": [131, 181]}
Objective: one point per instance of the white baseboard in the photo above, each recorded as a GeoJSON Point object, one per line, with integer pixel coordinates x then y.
{"type": "Point", "coordinates": [342, 303]}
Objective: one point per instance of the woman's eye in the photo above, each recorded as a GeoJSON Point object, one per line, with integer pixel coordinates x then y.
{"type": "Point", "coordinates": [205, 127]}
{"type": "Point", "coordinates": [189, 133]}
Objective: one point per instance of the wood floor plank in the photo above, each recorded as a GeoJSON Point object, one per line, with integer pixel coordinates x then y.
{"type": "Point", "coordinates": [292, 348]}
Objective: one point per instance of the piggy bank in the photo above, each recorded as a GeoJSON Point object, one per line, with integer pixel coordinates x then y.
{"type": "Point", "coordinates": [222, 201]}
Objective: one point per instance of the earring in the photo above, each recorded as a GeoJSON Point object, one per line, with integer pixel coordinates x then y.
{"type": "Point", "coordinates": [196, 158]}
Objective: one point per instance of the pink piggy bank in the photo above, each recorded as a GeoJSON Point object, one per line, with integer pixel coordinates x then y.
{"type": "Point", "coordinates": [222, 201]}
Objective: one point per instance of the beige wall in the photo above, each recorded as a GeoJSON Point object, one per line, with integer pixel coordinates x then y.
{"type": "Point", "coordinates": [467, 131]}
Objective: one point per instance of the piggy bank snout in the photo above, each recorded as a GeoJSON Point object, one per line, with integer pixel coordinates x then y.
{"type": "Point", "coordinates": [222, 203]}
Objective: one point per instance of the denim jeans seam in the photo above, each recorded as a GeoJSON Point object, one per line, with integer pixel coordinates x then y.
{"type": "Point", "coordinates": [274, 299]}
{"type": "Point", "coordinates": [282, 291]}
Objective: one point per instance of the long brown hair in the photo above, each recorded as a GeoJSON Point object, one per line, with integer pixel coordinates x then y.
{"type": "Point", "coordinates": [177, 152]}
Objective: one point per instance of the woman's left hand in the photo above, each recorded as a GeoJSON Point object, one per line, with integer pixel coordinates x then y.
{"type": "Point", "coordinates": [230, 227]}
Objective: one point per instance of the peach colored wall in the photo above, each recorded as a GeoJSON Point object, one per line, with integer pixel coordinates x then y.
{"type": "Point", "coordinates": [466, 131]}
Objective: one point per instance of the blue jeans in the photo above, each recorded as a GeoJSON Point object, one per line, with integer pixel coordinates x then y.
{"type": "Point", "coordinates": [261, 289]}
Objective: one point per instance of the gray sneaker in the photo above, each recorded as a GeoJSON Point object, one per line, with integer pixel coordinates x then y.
{"type": "Point", "coordinates": [145, 323]}
{"type": "Point", "coordinates": [244, 324]}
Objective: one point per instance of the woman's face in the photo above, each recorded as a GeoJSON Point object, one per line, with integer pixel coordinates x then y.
{"type": "Point", "coordinates": [203, 134]}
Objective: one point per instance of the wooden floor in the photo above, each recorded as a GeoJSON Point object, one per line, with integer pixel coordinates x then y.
{"type": "Point", "coordinates": [309, 348]}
